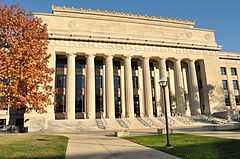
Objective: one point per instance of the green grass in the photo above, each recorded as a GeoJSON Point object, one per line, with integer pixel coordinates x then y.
{"type": "Point", "coordinates": [32, 146]}
{"type": "Point", "coordinates": [193, 147]}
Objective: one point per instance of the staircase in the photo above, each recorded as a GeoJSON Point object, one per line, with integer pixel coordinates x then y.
{"type": "Point", "coordinates": [122, 123]}
{"type": "Point", "coordinates": [143, 122]}
{"type": "Point", "coordinates": [100, 124]}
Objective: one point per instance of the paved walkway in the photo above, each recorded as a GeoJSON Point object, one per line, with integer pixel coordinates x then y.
{"type": "Point", "coordinates": [220, 134]}
{"type": "Point", "coordinates": [99, 146]}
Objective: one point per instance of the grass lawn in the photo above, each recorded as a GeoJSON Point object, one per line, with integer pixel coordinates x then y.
{"type": "Point", "coordinates": [32, 146]}
{"type": "Point", "coordinates": [193, 147]}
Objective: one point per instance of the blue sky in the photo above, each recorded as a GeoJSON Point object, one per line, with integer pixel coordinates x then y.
{"type": "Point", "coordinates": [220, 15]}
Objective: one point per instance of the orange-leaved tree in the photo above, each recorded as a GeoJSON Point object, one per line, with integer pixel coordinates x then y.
{"type": "Point", "coordinates": [24, 72]}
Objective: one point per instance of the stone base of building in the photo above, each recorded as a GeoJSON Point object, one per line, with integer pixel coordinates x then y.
{"type": "Point", "coordinates": [41, 123]}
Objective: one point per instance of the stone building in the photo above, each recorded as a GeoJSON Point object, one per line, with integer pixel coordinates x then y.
{"type": "Point", "coordinates": [108, 65]}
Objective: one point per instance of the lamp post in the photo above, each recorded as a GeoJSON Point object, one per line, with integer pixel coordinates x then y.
{"type": "Point", "coordinates": [163, 84]}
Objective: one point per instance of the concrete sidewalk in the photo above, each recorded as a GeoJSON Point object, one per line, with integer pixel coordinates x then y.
{"type": "Point", "coordinates": [97, 146]}
{"type": "Point", "coordinates": [219, 134]}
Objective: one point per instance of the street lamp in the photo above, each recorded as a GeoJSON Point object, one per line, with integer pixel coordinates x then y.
{"type": "Point", "coordinates": [163, 84]}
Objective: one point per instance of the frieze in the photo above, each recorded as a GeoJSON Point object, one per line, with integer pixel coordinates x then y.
{"type": "Point", "coordinates": [127, 47]}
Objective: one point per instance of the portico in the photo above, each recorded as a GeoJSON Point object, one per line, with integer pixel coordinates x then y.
{"type": "Point", "coordinates": [125, 86]}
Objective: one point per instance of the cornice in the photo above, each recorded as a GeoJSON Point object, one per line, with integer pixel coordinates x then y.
{"type": "Point", "coordinates": [120, 14]}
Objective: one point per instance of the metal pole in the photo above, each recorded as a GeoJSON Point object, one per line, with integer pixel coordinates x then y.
{"type": "Point", "coordinates": [166, 117]}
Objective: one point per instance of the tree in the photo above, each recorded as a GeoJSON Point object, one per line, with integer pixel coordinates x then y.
{"type": "Point", "coordinates": [24, 72]}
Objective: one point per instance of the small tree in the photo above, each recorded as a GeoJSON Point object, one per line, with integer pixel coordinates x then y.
{"type": "Point", "coordinates": [24, 73]}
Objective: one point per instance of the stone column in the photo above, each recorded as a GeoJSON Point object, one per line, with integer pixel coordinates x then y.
{"type": "Point", "coordinates": [163, 70]}
{"type": "Point", "coordinates": [122, 90]}
{"type": "Point", "coordinates": [147, 88]}
{"type": "Point", "coordinates": [104, 96]}
{"type": "Point", "coordinates": [90, 94]}
{"type": "Point", "coordinates": [157, 89]}
{"type": "Point", "coordinates": [186, 94]}
{"type": "Point", "coordinates": [179, 87]}
{"type": "Point", "coordinates": [70, 93]}
{"type": "Point", "coordinates": [204, 88]}
{"type": "Point", "coordinates": [195, 100]}
{"type": "Point", "coordinates": [141, 89]}
{"type": "Point", "coordinates": [110, 88]}
{"type": "Point", "coordinates": [129, 88]}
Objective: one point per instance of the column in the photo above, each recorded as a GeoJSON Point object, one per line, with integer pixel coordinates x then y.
{"type": "Point", "coordinates": [70, 93]}
{"type": "Point", "coordinates": [110, 88]}
{"type": "Point", "coordinates": [141, 89]}
{"type": "Point", "coordinates": [163, 70]}
{"type": "Point", "coordinates": [104, 90]}
{"type": "Point", "coordinates": [195, 100]}
{"type": "Point", "coordinates": [157, 89]}
{"type": "Point", "coordinates": [147, 88]}
{"type": "Point", "coordinates": [122, 79]}
{"type": "Point", "coordinates": [186, 94]}
{"type": "Point", "coordinates": [129, 88]}
{"type": "Point", "coordinates": [204, 88]}
{"type": "Point", "coordinates": [179, 87]}
{"type": "Point", "coordinates": [90, 92]}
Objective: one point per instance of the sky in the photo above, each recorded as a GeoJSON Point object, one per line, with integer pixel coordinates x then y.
{"type": "Point", "coordinates": [223, 16]}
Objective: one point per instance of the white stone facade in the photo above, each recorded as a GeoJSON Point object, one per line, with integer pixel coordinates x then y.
{"type": "Point", "coordinates": [128, 54]}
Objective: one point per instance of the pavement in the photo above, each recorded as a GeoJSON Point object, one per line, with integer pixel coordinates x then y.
{"type": "Point", "coordinates": [102, 146]}
{"type": "Point", "coordinates": [219, 134]}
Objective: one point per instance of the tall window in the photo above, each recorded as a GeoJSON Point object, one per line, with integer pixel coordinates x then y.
{"type": "Point", "coordinates": [235, 85]}
{"type": "Point", "coordinates": [61, 61]}
{"type": "Point", "coordinates": [60, 81]}
{"type": "Point", "coordinates": [225, 85]}
{"type": "Point", "coordinates": [233, 71]}
{"type": "Point", "coordinates": [135, 82]}
{"type": "Point", "coordinates": [223, 70]}
{"type": "Point", "coordinates": [227, 100]}
{"type": "Point", "coordinates": [60, 103]}
{"type": "Point", "coordinates": [237, 99]}
{"type": "Point", "coordinates": [80, 81]}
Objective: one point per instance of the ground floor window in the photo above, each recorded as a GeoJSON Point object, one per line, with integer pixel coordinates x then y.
{"type": "Point", "coordinates": [227, 100]}
{"type": "Point", "coordinates": [2, 123]}
{"type": "Point", "coordinates": [237, 99]}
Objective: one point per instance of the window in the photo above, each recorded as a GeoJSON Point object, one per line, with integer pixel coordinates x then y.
{"type": "Point", "coordinates": [237, 99]}
{"type": "Point", "coordinates": [2, 123]}
{"type": "Point", "coordinates": [60, 81]}
{"type": "Point", "coordinates": [61, 61]}
{"type": "Point", "coordinates": [98, 82]}
{"type": "Point", "coordinates": [80, 81]}
{"type": "Point", "coordinates": [117, 82]}
{"type": "Point", "coordinates": [223, 70]}
{"type": "Point", "coordinates": [227, 100]}
{"type": "Point", "coordinates": [60, 103]}
{"type": "Point", "coordinates": [233, 71]}
{"type": "Point", "coordinates": [135, 82]}
{"type": "Point", "coordinates": [152, 82]}
{"type": "Point", "coordinates": [80, 63]}
{"type": "Point", "coordinates": [235, 85]}
{"type": "Point", "coordinates": [225, 85]}
{"type": "Point", "coordinates": [200, 84]}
